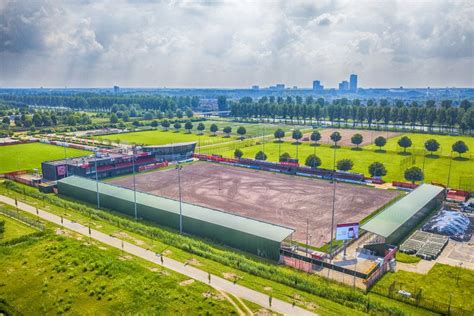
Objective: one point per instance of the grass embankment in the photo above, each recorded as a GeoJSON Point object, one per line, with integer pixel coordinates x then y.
{"type": "Point", "coordinates": [14, 229]}
{"type": "Point", "coordinates": [309, 291]}
{"type": "Point", "coordinates": [58, 274]}
{"type": "Point", "coordinates": [30, 156]}
{"type": "Point", "coordinates": [436, 168]}
{"type": "Point", "coordinates": [444, 285]}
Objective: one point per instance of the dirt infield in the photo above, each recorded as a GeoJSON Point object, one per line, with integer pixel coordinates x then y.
{"type": "Point", "coordinates": [277, 198]}
{"type": "Point", "coordinates": [369, 136]}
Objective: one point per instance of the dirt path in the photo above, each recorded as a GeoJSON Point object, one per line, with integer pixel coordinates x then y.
{"type": "Point", "coordinates": [217, 282]}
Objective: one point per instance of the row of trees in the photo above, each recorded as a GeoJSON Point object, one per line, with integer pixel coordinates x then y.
{"type": "Point", "coordinates": [47, 118]}
{"type": "Point", "coordinates": [398, 114]}
{"type": "Point", "coordinates": [98, 101]}
{"type": "Point", "coordinates": [376, 169]}
{"type": "Point", "coordinates": [188, 126]}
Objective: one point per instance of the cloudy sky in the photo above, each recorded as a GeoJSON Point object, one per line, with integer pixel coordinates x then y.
{"type": "Point", "coordinates": [144, 43]}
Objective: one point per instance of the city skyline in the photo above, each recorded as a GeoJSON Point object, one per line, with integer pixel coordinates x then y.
{"type": "Point", "coordinates": [235, 44]}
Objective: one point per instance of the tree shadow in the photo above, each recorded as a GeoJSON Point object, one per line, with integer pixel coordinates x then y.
{"type": "Point", "coordinates": [404, 153]}
{"type": "Point", "coordinates": [460, 158]}
{"type": "Point", "coordinates": [335, 147]}
{"type": "Point", "coordinates": [277, 141]}
{"type": "Point", "coordinates": [356, 149]}
{"type": "Point", "coordinates": [296, 143]}
{"type": "Point", "coordinates": [315, 145]}
{"type": "Point", "coordinates": [432, 156]}
{"type": "Point", "coordinates": [380, 151]}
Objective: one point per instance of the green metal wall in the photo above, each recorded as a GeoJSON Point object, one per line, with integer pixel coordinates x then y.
{"type": "Point", "coordinates": [404, 230]}
{"type": "Point", "coordinates": [230, 237]}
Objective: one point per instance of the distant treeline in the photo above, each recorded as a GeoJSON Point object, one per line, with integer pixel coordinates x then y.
{"type": "Point", "coordinates": [428, 114]}
{"type": "Point", "coordinates": [102, 102]}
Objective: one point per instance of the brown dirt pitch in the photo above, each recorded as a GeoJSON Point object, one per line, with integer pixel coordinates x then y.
{"type": "Point", "coordinates": [346, 134]}
{"type": "Point", "coordinates": [282, 199]}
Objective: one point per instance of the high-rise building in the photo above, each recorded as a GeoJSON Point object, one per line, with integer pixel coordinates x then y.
{"type": "Point", "coordinates": [317, 86]}
{"type": "Point", "coordinates": [116, 89]}
{"type": "Point", "coordinates": [344, 85]}
{"type": "Point", "coordinates": [353, 83]}
{"type": "Point", "coordinates": [280, 86]}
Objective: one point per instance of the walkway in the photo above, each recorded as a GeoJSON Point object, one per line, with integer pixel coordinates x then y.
{"type": "Point", "coordinates": [218, 283]}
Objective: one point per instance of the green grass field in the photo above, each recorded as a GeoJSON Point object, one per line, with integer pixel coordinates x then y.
{"type": "Point", "coordinates": [58, 274]}
{"type": "Point", "coordinates": [419, 140]}
{"type": "Point", "coordinates": [30, 156]}
{"type": "Point", "coordinates": [159, 137]}
{"type": "Point", "coordinates": [441, 284]}
{"type": "Point", "coordinates": [14, 229]}
{"type": "Point", "coordinates": [436, 169]}
{"type": "Point", "coordinates": [253, 129]}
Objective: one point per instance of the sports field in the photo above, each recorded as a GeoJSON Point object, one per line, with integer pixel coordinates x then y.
{"type": "Point", "coordinates": [346, 135]}
{"type": "Point", "coordinates": [253, 129]}
{"type": "Point", "coordinates": [292, 201]}
{"type": "Point", "coordinates": [159, 137]}
{"type": "Point", "coordinates": [436, 168]}
{"type": "Point", "coordinates": [30, 156]}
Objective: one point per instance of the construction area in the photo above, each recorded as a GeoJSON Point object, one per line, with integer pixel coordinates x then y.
{"type": "Point", "coordinates": [292, 201]}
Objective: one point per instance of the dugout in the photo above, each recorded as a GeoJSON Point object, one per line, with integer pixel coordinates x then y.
{"type": "Point", "coordinates": [395, 222]}
{"type": "Point", "coordinates": [254, 236]}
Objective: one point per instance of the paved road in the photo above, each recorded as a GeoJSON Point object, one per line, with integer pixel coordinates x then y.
{"type": "Point", "coordinates": [192, 272]}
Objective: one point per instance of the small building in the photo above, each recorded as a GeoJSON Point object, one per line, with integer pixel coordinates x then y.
{"type": "Point", "coordinates": [112, 164]}
{"type": "Point", "coordinates": [247, 234]}
{"type": "Point", "coordinates": [398, 220]}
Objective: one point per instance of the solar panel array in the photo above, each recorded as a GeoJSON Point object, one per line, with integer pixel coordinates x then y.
{"type": "Point", "coordinates": [425, 245]}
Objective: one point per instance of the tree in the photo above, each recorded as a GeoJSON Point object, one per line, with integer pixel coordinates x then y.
{"type": "Point", "coordinates": [222, 103]}
{"type": "Point", "coordinates": [238, 153]}
{"type": "Point", "coordinates": [460, 147]}
{"type": "Point", "coordinates": [189, 113]}
{"type": "Point", "coordinates": [404, 142]}
{"type": "Point", "coordinates": [148, 116]}
{"type": "Point", "coordinates": [284, 157]}
{"type": "Point", "coordinates": [154, 123]}
{"type": "Point", "coordinates": [335, 137]}
{"type": "Point", "coordinates": [315, 137]}
{"type": "Point", "coordinates": [113, 119]}
{"type": "Point", "coordinates": [227, 130]}
{"type": "Point", "coordinates": [432, 145]}
{"type": "Point", "coordinates": [414, 174]}
{"type": "Point", "coordinates": [188, 126]}
{"type": "Point", "coordinates": [357, 139]}
{"type": "Point", "coordinates": [297, 135]}
{"type": "Point", "coordinates": [165, 124]}
{"type": "Point", "coordinates": [380, 142]}
{"type": "Point", "coordinates": [261, 156]}
{"type": "Point", "coordinates": [6, 120]}
{"type": "Point", "coordinates": [214, 128]}
{"type": "Point", "coordinates": [345, 165]}
{"type": "Point", "coordinates": [241, 131]}
{"type": "Point", "coordinates": [279, 133]}
{"type": "Point", "coordinates": [377, 169]}
{"type": "Point", "coordinates": [201, 127]}
{"type": "Point", "coordinates": [177, 126]}
{"type": "Point", "coordinates": [313, 161]}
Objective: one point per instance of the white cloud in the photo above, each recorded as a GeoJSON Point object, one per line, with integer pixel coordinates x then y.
{"type": "Point", "coordinates": [234, 43]}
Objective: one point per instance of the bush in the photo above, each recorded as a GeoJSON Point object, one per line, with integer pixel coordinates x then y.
{"type": "Point", "coordinates": [2, 227]}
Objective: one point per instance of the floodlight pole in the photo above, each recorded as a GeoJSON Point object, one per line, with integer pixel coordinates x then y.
{"type": "Point", "coordinates": [134, 185]}
{"type": "Point", "coordinates": [65, 157]}
{"type": "Point", "coordinates": [333, 204]}
{"type": "Point", "coordinates": [96, 179]}
{"type": "Point", "coordinates": [449, 172]}
{"type": "Point", "coordinates": [179, 167]}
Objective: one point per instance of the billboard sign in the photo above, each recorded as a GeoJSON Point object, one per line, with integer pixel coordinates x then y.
{"type": "Point", "coordinates": [347, 231]}
{"type": "Point", "coordinates": [61, 170]}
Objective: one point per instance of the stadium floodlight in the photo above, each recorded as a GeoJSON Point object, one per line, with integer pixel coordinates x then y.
{"type": "Point", "coordinates": [134, 185]}
{"type": "Point", "coordinates": [333, 202]}
{"type": "Point", "coordinates": [449, 172]}
{"type": "Point", "coordinates": [96, 178]}
{"type": "Point", "coordinates": [179, 167]}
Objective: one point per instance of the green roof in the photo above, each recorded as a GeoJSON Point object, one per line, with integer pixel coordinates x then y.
{"type": "Point", "coordinates": [240, 223]}
{"type": "Point", "coordinates": [394, 216]}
